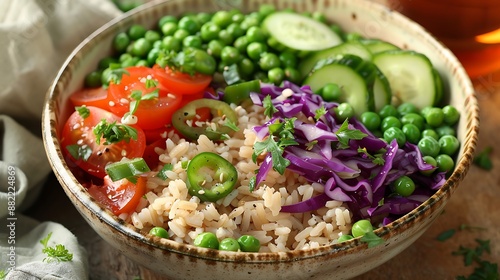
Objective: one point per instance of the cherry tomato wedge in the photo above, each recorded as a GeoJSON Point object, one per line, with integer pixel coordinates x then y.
{"type": "Point", "coordinates": [121, 196]}
{"type": "Point", "coordinates": [151, 113]}
{"type": "Point", "coordinates": [78, 134]}
{"type": "Point", "coordinates": [97, 97]}
{"type": "Point", "coordinates": [150, 155]}
{"type": "Point", "coordinates": [182, 83]}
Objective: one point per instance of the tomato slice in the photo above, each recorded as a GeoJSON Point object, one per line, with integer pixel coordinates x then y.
{"type": "Point", "coordinates": [151, 114]}
{"type": "Point", "coordinates": [121, 196]}
{"type": "Point", "coordinates": [78, 132]}
{"type": "Point", "coordinates": [182, 83]}
{"type": "Point", "coordinates": [97, 97]}
{"type": "Point", "coordinates": [150, 156]}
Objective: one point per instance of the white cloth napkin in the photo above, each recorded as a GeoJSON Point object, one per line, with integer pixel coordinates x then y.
{"type": "Point", "coordinates": [36, 36]}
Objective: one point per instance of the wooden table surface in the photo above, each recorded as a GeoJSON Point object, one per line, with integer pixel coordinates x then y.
{"type": "Point", "coordinates": [476, 203]}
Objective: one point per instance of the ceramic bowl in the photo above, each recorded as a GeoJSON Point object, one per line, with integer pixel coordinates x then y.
{"type": "Point", "coordinates": [338, 261]}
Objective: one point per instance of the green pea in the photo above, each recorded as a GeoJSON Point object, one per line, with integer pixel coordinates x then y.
{"type": "Point", "coordinates": [255, 50]}
{"type": "Point", "coordinates": [124, 57]}
{"type": "Point", "coordinates": [449, 144]}
{"type": "Point", "coordinates": [404, 186]}
{"type": "Point", "coordinates": [152, 36]}
{"type": "Point", "coordinates": [130, 62]}
{"type": "Point", "coordinates": [445, 163]}
{"type": "Point", "coordinates": [142, 62]}
{"type": "Point", "coordinates": [434, 117]}
{"type": "Point", "coordinates": [406, 108]}
{"type": "Point", "coordinates": [411, 132]}
{"type": "Point", "coordinates": [370, 120]}
{"type": "Point", "coordinates": [170, 43]}
{"type": "Point", "coordinates": [261, 76]}
{"type": "Point", "coordinates": [360, 227]}
{"type": "Point", "coordinates": [159, 231]}
{"type": "Point", "coordinates": [288, 59]}
{"type": "Point", "coordinates": [189, 24]}
{"type": "Point", "coordinates": [344, 111]}
{"type": "Point", "coordinates": [331, 92]}
{"type": "Point", "coordinates": [445, 130]}
{"type": "Point", "coordinates": [93, 79]}
{"type": "Point", "coordinates": [181, 34]}
{"type": "Point", "coordinates": [256, 34]}
{"type": "Point", "coordinates": [141, 47]}
{"type": "Point", "coordinates": [106, 62]}
{"type": "Point", "coordinates": [229, 244]}
{"type": "Point", "coordinates": [192, 41]}
{"type": "Point", "coordinates": [413, 118]}
{"type": "Point", "coordinates": [165, 19]}
{"type": "Point", "coordinates": [451, 115]}
{"type": "Point", "coordinates": [203, 17]}
{"type": "Point", "coordinates": [121, 42]}
{"type": "Point", "coordinates": [392, 133]}
{"type": "Point", "coordinates": [235, 30]}
{"type": "Point", "coordinates": [246, 67]}
{"type": "Point", "coordinates": [204, 63]}
{"type": "Point", "coordinates": [293, 75]}
{"type": "Point", "coordinates": [157, 44]}
{"type": "Point", "coordinates": [266, 9]}
{"type": "Point", "coordinates": [429, 160]}
{"type": "Point", "coordinates": [106, 76]}
{"type": "Point", "coordinates": [269, 61]}
{"type": "Point", "coordinates": [276, 75]}
{"type": "Point", "coordinates": [214, 48]}
{"type": "Point", "coordinates": [206, 240]}
{"type": "Point", "coordinates": [388, 122]}
{"type": "Point", "coordinates": [237, 17]}
{"type": "Point", "coordinates": [344, 237]}
{"type": "Point", "coordinates": [241, 44]}
{"type": "Point", "coordinates": [226, 37]}
{"type": "Point", "coordinates": [428, 146]}
{"type": "Point", "coordinates": [388, 111]}
{"type": "Point", "coordinates": [430, 133]}
{"type": "Point", "coordinates": [169, 28]}
{"type": "Point", "coordinates": [153, 56]}
{"type": "Point", "coordinates": [222, 18]}
{"type": "Point", "coordinates": [230, 55]}
{"type": "Point", "coordinates": [249, 22]}
{"type": "Point", "coordinates": [275, 44]}
{"type": "Point", "coordinates": [209, 31]}
{"type": "Point", "coordinates": [136, 31]}
{"type": "Point", "coordinates": [249, 243]}
{"type": "Point", "coordinates": [353, 36]}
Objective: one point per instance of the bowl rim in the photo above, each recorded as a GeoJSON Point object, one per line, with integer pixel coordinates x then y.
{"type": "Point", "coordinates": [78, 192]}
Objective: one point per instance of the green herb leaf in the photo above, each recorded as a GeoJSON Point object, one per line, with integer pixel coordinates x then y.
{"type": "Point", "coordinates": [376, 159]}
{"type": "Point", "coordinates": [344, 134]}
{"type": "Point", "coordinates": [269, 108]}
{"type": "Point", "coordinates": [115, 75]}
{"type": "Point", "coordinates": [79, 152]}
{"type": "Point", "coordinates": [162, 173]}
{"type": "Point", "coordinates": [231, 125]}
{"type": "Point", "coordinates": [445, 235]}
{"type": "Point", "coordinates": [150, 83]}
{"type": "Point", "coordinates": [83, 111]}
{"type": "Point", "coordinates": [114, 133]}
{"type": "Point", "coordinates": [58, 253]}
{"type": "Point", "coordinates": [372, 239]}
{"type": "Point", "coordinates": [320, 112]}
{"type": "Point", "coordinates": [251, 183]}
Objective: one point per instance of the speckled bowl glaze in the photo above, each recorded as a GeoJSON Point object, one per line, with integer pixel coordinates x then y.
{"type": "Point", "coordinates": [338, 261]}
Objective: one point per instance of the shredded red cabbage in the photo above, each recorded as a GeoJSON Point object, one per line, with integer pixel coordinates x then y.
{"type": "Point", "coordinates": [347, 175]}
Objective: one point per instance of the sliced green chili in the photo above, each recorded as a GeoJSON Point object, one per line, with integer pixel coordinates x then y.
{"type": "Point", "coordinates": [238, 93]}
{"type": "Point", "coordinates": [128, 169]}
{"type": "Point", "coordinates": [210, 176]}
{"type": "Point", "coordinates": [214, 130]}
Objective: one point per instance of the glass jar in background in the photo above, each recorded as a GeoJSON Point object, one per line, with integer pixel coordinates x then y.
{"type": "Point", "coordinates": [470, 28]}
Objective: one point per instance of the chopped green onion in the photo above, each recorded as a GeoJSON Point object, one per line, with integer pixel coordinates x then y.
{"type": "Point", "coordinates": [127, 169]}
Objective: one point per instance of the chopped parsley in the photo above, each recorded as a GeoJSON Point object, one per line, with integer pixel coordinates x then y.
{"type": "Point", "coordinates": [184, 61]}
{"type": "Point", "coordinates": [320, 112]}
{"type": "Point", "coordinates": [83, 111]}
{"type": "Point", "coordinates": [116, 74]}
{"type": "Point", "coordinates": [231, 125]}
{"type": "Point", "coordinates": [269, 108]}
{"type": "Point", "coordinates": [344, 134]}
{"type": "Point", "coordinates": [162, 174]}
{"type": "Point", "coordinates": [137, 96]}
{"type": "Point", "coordinates": [377, 159]}
{"type": "Point", "coordinates": [113, 132]}
{"type": "Point", "coordinates": [57, 253]}
{"type": "Point", "coordinates": [79, 152]}
{"type": "Point", "coordinates": [483, 159]}
{"type": "Point", "coordinates": [372, 239]}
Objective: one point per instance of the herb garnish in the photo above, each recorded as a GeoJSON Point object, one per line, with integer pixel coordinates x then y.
{"type": "Point", "coordinates": [113, 132]}
{"type": "Point", "coordinates": [344, 134]}
{"type": "Point", "coordinates": [83, 111]}
{"type": "Point", "coordinates": [79, 152]}
{"type": "Point", "coordinates": [58, 253]}
{"type": "Point", "coordinates": [183, 61]}
{"type": "Point", "coordinates": [372, 239]}
{"type": "Point", "coordinates": [484, 269]}
{"type": "Point", "coordinates": [116, 73]}
{"type": "Point", "coordinates": [167, 167]}
{"type": "Point", "coordinates": [320, 112]}
{"type": "Point", "coordinates": [377, 159]}
{"type": "Point", "coordinates": [483, 159]}
{"type": "Point", "coordinates": [269, 108]}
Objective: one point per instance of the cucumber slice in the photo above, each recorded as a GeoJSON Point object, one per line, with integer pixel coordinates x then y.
{"type": "Point", "coordinates": [355, 77]}
{"type": "Point", "coordinates": [299, 32]}
{"type": "Point", "coordinates": [376, 45]}
{"type": "Point", "coordinates": [381, 91]}
{"type": "Point", "coordinates": [410, 76]}
{"type": "Point", "coordinates": [352, 47]}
